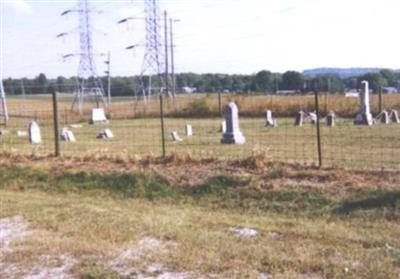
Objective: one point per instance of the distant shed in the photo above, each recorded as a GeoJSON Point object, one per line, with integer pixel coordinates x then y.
{"type": "Point", "coordinates": [390, 90]}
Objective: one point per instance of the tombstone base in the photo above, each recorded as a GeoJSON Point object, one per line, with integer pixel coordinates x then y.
{"type": "Point", "coordinates": [236, 138]}
{"type": "Point", "coordinates": [364, 119]}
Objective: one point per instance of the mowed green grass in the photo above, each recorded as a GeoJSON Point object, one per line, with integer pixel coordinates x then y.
{"type": "Point", "coordinates": [345, 145]}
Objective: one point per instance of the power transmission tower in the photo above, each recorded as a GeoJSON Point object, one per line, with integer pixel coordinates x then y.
{"type": "Point", "coordinates": [88, 82]}
{"type": "Point", "coordinates": [108, 72]}
{"type": "Point", "coordinates": [4, 113]}
{"type": "Point", "coordinates": [172, 48]}
{"type": "Point", "coordinates": [154, 54]}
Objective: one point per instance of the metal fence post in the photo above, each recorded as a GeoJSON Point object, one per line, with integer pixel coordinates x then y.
{"type": "Point", "coordinates": [318, 128]}
{"type": "Point", "coordinates": [55, 122]}
{"type": "Point", "coordinates": [219, 103]}
{"type": "Point", "coordinates": [162, 124]}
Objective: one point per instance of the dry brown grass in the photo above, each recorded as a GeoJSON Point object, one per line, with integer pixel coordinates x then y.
{"type": "Point", "coordinates": [98, 231]}
{"type": "Point", "coordinates": [180, 170]}
{"type": "Point", "coordinates": [251, 106]}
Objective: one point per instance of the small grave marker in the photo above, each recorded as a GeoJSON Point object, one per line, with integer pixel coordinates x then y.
{"type": "Point", "coordinates": [75, 126]}
{"type": "Point", "coordinates": [105, 134]}
{"type": "Point", "coordinates": [222, 128]}
{"type": "Point", "coordinates": [175, 136]}
{"type": "Point", "coordinates": [4, 132]}
{"type": "Point", "coordinates": [394, 116]}
{"type": "Point", "coordinates": [67, 135]}
{"type": "Point", "coordinates": [299, 119]}
{"type": "Point", "coordinates": [385, 117]}
{"type": "Point", "coordinates": [189, 130]}
{"type": "Point", "coordinates": [270, 121]}
{"type": "Point", "coordinates": [98, 116]}
{"type": "Point", "coordinates": [35, 136]}
{"type": "Point", "coordinates": [22, 134]}
{"type": "Point", "coordinates": [330, 119]}
{"type": "Point", "coordinates": [313, 117]}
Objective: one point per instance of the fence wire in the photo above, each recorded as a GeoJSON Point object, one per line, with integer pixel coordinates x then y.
{"type": "Point", "coordinates": [135, 125]}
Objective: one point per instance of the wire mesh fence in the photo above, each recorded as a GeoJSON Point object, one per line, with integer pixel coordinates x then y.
{"type": "Point", "coordinates": [136, 129]}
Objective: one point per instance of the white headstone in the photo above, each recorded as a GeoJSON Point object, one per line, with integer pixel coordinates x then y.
{"type": "Point", "coordinates": [22, 134]}
{"type": "Point", "coordinates": [109, 134]}
{"type": "Point", "coordinates": [3, 132]}
{"type": "Point", "coordinates": [76, 126]}
{"type": "Point", "coordinates": [98, 116]}
{"type": "Point", "coordinates": [67, 135]}
{"type": "Point", "coordinates": [175, 136]}
{"type": "Point", "coordinates": [330, 119]}
{"type": "Point", "coordinates": [385, 117]}
{"type": "Point", "coordinates": [394, 116]}
{"type": "Point", "coordinates": [233, 135]}
{"type": "Point", "coordinates": [299, 119]}
{"type": "Point", "coordinates": [189, 130]}
{"type": "Point", "coordinates": [105, 134]}
{"type": "Point", "coordinates": [222, 128]}
{"type": "Point", "coordinates": [364, 116]}
{"type": "Point", "coordinates": [313, 117]}
{"type": "Point", "coordinates": [270, 121]}
{"type": "Point", "coordinates": [35, 136]}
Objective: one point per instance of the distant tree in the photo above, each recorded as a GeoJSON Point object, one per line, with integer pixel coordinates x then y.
{"type": "Point", "coordinates": [40, 84]}
{"type": "Point", "coordinates": [390, 77]}
{"type": "Point", "coordinates": [376, 81]}
{"type": "Point", "coordinates": [292, 80]}
{"type": "Point", "coordinates": [61, 83]}
{"type": "Point", "coordinates": [263, 81]}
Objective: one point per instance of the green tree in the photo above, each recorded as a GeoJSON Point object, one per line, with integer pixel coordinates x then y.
{"type": "Point", "coordinates": [376, 81]}
{"type": "Point", "coordinates": [263, 81]}
{"type": "Point", "coordinates": [292, 80]}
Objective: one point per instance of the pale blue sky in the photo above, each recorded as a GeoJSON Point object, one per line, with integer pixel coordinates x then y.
{"type": "Point", "coordinates": [229, 36]}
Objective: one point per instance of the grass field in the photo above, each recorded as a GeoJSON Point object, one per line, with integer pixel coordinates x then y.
{"type": "Point", "coordinates": [96, 219]}
{"type": "Point", "coordinates": [206, 105]}
{"type": "Point", "coordinates": [345, 145]}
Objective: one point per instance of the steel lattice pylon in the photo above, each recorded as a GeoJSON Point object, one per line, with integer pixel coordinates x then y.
{"type": "Point", "coordinates": [88, 82]}
{"type": "Point", "coordinates": [4, 112]}
{"type": "Point", "coordinates": [154, 55]}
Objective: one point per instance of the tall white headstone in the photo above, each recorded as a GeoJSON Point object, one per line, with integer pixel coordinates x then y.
{"type": "Point", "coordinates": [35, 136]}
{"type": "Point", "coordinates": [364, 116]}
{"type": "Point", "coordinates": [233, 135]}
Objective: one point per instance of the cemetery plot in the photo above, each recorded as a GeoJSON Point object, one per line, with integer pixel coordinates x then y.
{"type": "Point", "coordinates": [345, 145]}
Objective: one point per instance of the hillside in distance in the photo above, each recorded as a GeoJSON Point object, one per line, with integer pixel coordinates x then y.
{"type": "Point", "coordinates": [341, 72]}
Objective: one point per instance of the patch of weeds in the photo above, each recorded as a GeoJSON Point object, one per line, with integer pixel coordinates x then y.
{"type": "Point", "coordinates": [276, 172]}
{"type": "Point", "coordinates": [91, 270]}
{"type": "Point", "coordinates": [218, 186]}
{"type": "Point", "coordinates": [371, 203]}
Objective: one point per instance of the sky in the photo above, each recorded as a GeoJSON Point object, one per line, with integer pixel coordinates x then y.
{"type": "Point", "coordinates": [211, 36]}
